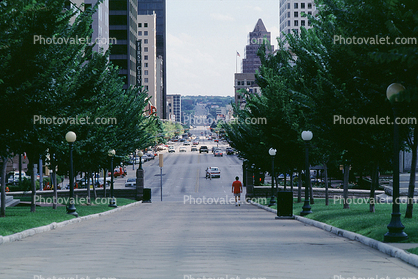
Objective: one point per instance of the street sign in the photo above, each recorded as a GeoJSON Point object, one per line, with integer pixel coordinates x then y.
{"type": "Point", "coordinates": [161, 162]}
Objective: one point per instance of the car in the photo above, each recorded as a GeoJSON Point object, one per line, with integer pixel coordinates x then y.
{"type": "Point", "coordinates": [151, 156]}
{"type": "Point", "coordinates": [194, 148]}
{"type": "Point", "coordinates": [216, 140]}
{"type": "Point", "coordinates": [195, 142]}
{"type": "Point", "coordinates": [130, 182]}
{"type": "Point", "coordinates": [171, 149]}
{"type": "Point", "coordinates": [213, 172]}
{"type": "Point", "coordinates": [182, 149]}
{"type": "Point", "coordinates": [229, 151]}
{"type": "Point", "coordinates": [161, 147]}
{"type": "Point", "coordinates": [145, 158]}
{"type": "Point", "coordinates": [203, 148]}
{"type": "Point", "coordinates": [217, 153]}
{"type": "Point", "coordinates": [186, 143]}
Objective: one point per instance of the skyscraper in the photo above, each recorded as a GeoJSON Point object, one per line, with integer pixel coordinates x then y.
{"type": "Point", "coordinates": [291, 15]}
{"type": "Point", "coordinates": [251, 62]}
{"type": "Point", "coordinates": [122, 26]}
{"type": "Point", "coordinates": [147, 7]}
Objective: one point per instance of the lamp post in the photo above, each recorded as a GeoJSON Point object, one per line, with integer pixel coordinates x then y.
{"type": "Point", "coordinates": [112, 202]}
{"type": "Point", "coordinates": [140, 154]}
{"type": "Point", "coordinates": [70, 137]}
{"type": "Point", "coordinates": [272, 153]}
{"type": "Point", "coordinates": [306, 208]}
{"type": "Point", "coordinates": [395, 226]}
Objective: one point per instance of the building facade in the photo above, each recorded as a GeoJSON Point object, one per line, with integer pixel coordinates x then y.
{"type": "Point", "coordinates": [147, 7]}
{"type": "Point", "coordinates": [251, 63]}
{"type": "Point", "coordinates": [123, 27]}
{"type": "Point", "coordinates": [174, 107]}
{"type": "Point", "coordinates": [148, 59]}
{"type": "Point", "coordinates": [292, 16]}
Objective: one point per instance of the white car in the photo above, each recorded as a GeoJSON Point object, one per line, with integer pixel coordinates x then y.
{"type": "Point", "coordinates": [130, 182]}
{"type": "Point", "coordinates": [182, 149]}
{"type": "Point", "coordinates": [171, 149]}
{"type": "Point", "coordinates": [213, 172]}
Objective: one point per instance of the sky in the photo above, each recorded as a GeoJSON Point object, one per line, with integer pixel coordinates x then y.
{"type": "Point", "coordinates": [203, 37]}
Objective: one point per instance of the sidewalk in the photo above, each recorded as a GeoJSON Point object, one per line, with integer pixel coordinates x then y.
{"type": "Point", "coordinates": [176, 240]}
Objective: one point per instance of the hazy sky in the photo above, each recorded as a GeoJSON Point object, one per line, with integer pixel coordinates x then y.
{"type": "Point", "coordinates": [203, 37]}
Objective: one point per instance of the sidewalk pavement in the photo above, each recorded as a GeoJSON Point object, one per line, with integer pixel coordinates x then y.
{"type": "Point", "coordinates": [176, 240]}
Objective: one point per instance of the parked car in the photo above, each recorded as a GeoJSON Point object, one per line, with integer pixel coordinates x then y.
{"type": "Point", "coordinates": [171, 149]}
{"type": "Point", "coordinates": [203, 148]}
{"type": "Point", "coordinates": [151, 156]}
{"type": "Point", "coordinates": [218, 153]}
{"type": "Point", "coordinates": [130, 182]}
{"type": "Point", "coordinates": [182, 149]}
{"type": "Point", "coordinates": [229, 151]}
{"type": "Point", "coordinates": [194, 148]}
{"type": "Point", "coordinates": [213, 172]}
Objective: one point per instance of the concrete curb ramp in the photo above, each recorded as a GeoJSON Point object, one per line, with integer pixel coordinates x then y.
{"type": "Point", "coordinates": [54, 225]}
{"type": "Point", "coordinates": [409, 258]}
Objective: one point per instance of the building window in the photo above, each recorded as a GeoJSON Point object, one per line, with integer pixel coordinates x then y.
{"type": "Point", "coordinates": [295, 31]}
{"type": "Point", "coordinates": [146, 87]}
{"type": "Point", "coordinates": [302, 23]}
{"type": "Point", "coordinates": [139, 25]}
{"type": "Point", "coordinates": [296, 14]}
{"type": "Point", "coordinates": [145, 57]}
{"type": "Point", "coordinates": [296, 23]}
{"type": "Point", "coordinates": [248, 83]}
{"type": "Point", "coordinates": [288, 6]}
{"type": "Point", "coordinates": [145, 65]}
{"type": "Point", "coordinates": [309, 23]}
{"type": "Point", "coordinates": [296, 5]}
{"type": "Point", "coordinates": [145, 72]}
{"type": "Point", "coordinates": [146, 24]}
{"type": "Point", "coordinates": [288, 23]}
{"type": "Point", "coordinates": [146, 80]}
{"type": "Point", "coordinates": [145, 33]}
{"type": "Point", "coordinates": [309, 13]}
{"type": "Point", "coordinates": [145, 49]}
{"type": "Point", "coordinates": [145, 41]}
{"type": "Point", "coordinates": [309, 5]}
{"type": "Point", "coordinates": [139, 33]}
{"type": "Point", "coordinates": [302, 6]}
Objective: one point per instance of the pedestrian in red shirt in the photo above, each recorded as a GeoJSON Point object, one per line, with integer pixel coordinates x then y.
{"type": "Point", "coordinates": [237, 190]}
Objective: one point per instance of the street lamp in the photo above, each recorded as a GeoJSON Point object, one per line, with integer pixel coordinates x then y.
{"type": "Point", "coordinates": [306, 208]}
{"type": "Point", "coordinates": [140, 154]}
{"type": "Point", "coordinates": [272, 153]}
{"type": "Point", "coordinates": [395, 227]}
{"type": "Point", "coordinates": [70, 137]}
{"type": "Point", "coordinates": [112, 202]}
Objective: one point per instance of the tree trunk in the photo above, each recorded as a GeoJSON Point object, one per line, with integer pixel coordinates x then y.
{"type": "Point", "coordinates": [411, 188]}
{"type": "Point", "coordinates": [346, 176]}
{"type": "Point", "coordinates": [311, 198]}
{"type": "Point", "coordinates": [374, 186]}
{"type": "Point", "coordinates": [299, 186]}
{"type": "Point", "coordinates": [104, 182]}
{"type": "Point", "coordinates": [94, 186]}
{"type": "Point", "coordinates": [3, 187]}
{"type": "Point", "coordinates": [33, 183]}
{"type": "Point", "coordinates": [326, 183]}
{"type": "Point", "coordinates": [88, 179]}
{"type": "Point", "coordinates": [291, 181]}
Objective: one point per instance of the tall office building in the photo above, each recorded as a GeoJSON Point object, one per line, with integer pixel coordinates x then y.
{"type": "Point", "coordinates": [147, 58]}
{"type": "Point", "coordinates": [123, 26]}
{"type": "Point", "coordinates": [174, 107]}
{"type": "Point", "coordinates": [147, 7]}
{"type": "Point", "coordinates": [291, 15]}
{"type": "Point", "coordinates": [100, 25]}
{"type": "Point", "coordinates": [251, 62]}
{"type": "Point", "coordinates": [257, 37]}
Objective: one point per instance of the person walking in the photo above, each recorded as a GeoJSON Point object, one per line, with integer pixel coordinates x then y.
{"type": "Point", "coordinates": [237, 190]}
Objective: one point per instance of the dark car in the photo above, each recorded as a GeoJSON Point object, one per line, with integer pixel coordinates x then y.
{"type": "Point", "coordinates": [229, 151]}
{"type": "Point", "coordinates": [203, 148]}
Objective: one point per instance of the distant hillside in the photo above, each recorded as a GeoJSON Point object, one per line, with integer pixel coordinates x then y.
{"type": "Point", "coordinates": [188, 102]}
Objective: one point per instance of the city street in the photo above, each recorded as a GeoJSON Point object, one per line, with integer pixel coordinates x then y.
{"type": "Point", "coordinates": [184, 173]}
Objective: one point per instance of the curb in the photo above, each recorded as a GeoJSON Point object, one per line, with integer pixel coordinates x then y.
{"type": "Point", "coordinates": [409, 258]}
{"type": "Point", "coordinates": [54, 225]}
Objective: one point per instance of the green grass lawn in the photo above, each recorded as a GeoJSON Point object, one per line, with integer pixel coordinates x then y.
{"type": "Point", "coordinates": [20, 218]}
{"type": "Point", "coordinates": [358, 219]}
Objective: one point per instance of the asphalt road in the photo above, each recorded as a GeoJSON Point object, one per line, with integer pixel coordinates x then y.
{"type": "Point", "coordinates": [184, 173]}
